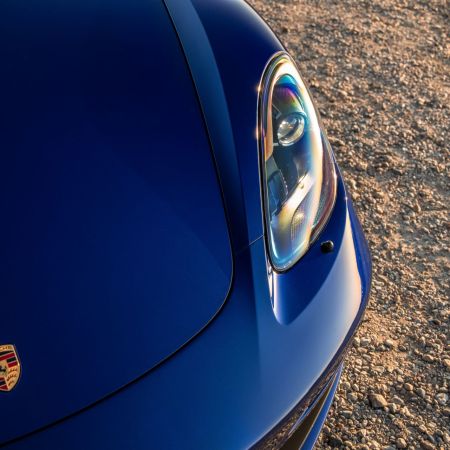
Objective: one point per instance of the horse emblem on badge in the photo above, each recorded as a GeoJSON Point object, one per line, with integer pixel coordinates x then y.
{"type": "Point", "coordinates": [9, 367]}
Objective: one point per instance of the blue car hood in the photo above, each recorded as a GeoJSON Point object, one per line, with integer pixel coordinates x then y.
{"type": "Point", "coordinates": [115, 249]}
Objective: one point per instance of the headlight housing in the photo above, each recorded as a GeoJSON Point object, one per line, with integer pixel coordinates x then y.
{"type": "Point", "coordinates": [298, 174]}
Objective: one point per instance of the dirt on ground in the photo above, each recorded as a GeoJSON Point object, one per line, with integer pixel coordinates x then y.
{"type": "Point", "coordinates": [380, 74]}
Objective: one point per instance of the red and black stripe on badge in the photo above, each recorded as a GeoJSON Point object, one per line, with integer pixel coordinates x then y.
{"type": "Point", "coordinates": [9, 357]}
{"type": "Point", "coordinates": [3, 386]}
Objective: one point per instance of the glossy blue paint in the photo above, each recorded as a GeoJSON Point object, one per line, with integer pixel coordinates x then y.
{"type": "Point", "coordinates": [276, 338]}
{"type": "Point", "coordinates": [115, 249]}
{"type": "Point", "coordinates": [238, 378]}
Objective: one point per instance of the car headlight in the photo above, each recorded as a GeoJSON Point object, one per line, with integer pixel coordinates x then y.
{"type": "Point", "coordinates": [299, 178]}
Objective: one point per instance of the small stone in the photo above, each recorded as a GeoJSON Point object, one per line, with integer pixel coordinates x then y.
{"type": "Point", "coordinates": [442, 398]}
{"type": "Point", "coordinates": [389, 343]}
{"type": "Point", "coordinates": [377, 401]}
{"type": "Point", "coordinates": [393, 408]}
{"type": "Point", "coordinates": [400, 443]}
{"type": "Point", "coordinates": [427, 445]}
{"type": "Point", "coordinates": [346, 413]}
{"type": "Point", "coordinates": [409, 387]}
{"type": "Point", "coordinates": [334, 441]}
{"type": "Point", "coordinates": [346, 386]}
{"type": "Point", "coordinates": [421, 392]}
{"type": "Point", "coordinates": [365, 342]}
{"type": "Point", "coordinates": [378, 369]}
{"type": "Point", "coordinates": [405, 411]}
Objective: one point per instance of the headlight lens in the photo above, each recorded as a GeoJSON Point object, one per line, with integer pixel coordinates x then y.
{"type": "Point", "coordinates": [299, 178]}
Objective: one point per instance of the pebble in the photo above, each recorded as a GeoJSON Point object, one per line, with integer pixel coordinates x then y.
{"type": "Point", "coordinates": [427, 445]}
{"type": "Point", "coordinates": [442, 398]}
{"type": "Point", "coordinates": [377, 401]}
{"type": "Point", "coordinates": [393, 408]}
{"type": "Point", "coordinates": [421, 392]}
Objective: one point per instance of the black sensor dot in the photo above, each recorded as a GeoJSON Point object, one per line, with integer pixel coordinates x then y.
{"type": "Point", "coordinates": [327, 246]}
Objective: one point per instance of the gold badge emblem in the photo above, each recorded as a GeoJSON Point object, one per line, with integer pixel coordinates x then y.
{"type": "Point", "coordinates": [9, 367]}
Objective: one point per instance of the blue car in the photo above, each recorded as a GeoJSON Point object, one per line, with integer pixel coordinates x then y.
{"type": "Point", "coordinates": [182, 266]}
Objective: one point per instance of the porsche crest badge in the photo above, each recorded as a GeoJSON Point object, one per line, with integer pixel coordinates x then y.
{"type": "Point", "coordinates": [9, 367]}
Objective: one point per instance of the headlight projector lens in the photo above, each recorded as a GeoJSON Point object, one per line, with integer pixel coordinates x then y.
{"type": "Point", "coordinates": [291, 128]}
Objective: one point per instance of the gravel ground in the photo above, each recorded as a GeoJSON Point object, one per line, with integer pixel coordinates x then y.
{"type": "Point", "coordinates": [379, 71]}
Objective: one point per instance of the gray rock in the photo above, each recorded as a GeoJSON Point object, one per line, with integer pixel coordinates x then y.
{"type": "Point", "coordinates": [334, 441]}
{"type": "Point", "coordinates": [421, 392]}
{"type": "Point", "coordinates": [346, 413]}
{"type": "Point", "coordinates": [377, 401]}
{"type": "Point", "coordinates": [442, 398]}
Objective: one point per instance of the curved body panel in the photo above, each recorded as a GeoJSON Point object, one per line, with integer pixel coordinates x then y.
{"type": "Point", "coordinates": [245, 372]}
